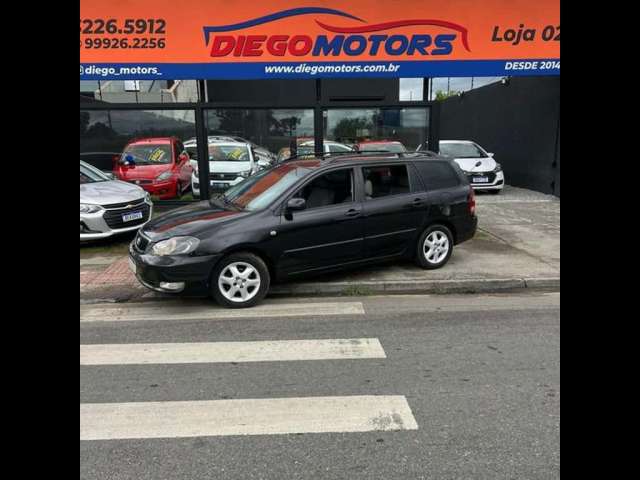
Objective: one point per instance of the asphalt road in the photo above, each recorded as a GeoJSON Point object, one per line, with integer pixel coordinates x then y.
{"type": "Point", "coordinates": [434, 387]}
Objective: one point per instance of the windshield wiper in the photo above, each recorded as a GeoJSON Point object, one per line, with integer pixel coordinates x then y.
{"type": "Point", "coordinates": [229, 203]}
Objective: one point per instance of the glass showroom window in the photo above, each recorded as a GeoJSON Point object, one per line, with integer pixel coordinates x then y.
{"type": "Point", "coordinates": [244, 141]}
{"type": "Point", "coordinates": [271, 129]}
{"type": "Point", "coordinates": [139, 91]}
{"type": "Point", "coordinates": [443, 87]}
{"type": "Point", "coordinates": [386, 129]}
{"type": "Point", "coordinates": [144, 147]}
{"type": "Point", "coordinates": [411, 89]}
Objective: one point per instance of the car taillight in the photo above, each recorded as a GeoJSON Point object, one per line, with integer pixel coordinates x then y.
{"type": "Point", "coordinates": [472, 201]}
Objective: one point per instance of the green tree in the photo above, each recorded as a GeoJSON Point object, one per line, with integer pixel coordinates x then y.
{"type": "Point", "coordinates": [442, 95]}
{"type": "Point", "coordinates": [348, 128]}
{"type": "Point", "coordinates": [286, 126]}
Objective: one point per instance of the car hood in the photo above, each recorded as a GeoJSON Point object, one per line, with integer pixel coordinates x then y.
{"type": "Point", "coordinates": [106, 193]}
{"type": "Point", "coordinates": [189, 220]}
{"type": "Point", "coordinates": [141, 172]}
{"type": "Point", "coordinates": [229, 167]}
{"type": "Point", "coordinates": [487, 164]}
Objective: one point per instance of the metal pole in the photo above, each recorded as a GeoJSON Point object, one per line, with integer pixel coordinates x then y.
{"type": "Point", "coordinates": [318, 121]}
{"type": "Point", "coordinates": [203, 153]}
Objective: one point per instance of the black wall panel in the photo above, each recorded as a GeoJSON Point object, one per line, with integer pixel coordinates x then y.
{"type": "Point", "coordinates": [518, 121]}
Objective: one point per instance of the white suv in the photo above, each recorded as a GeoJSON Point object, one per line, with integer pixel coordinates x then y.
{"type": "Point", "coordinates": [229, 164]}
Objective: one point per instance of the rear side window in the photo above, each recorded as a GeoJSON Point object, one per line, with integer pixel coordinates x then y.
{"type": "Point", "coordinates": [383, 181]}
{"type": "Point", "coordinates": [437, 175]}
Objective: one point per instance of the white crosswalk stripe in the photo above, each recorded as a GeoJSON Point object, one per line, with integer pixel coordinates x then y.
{"type": "Point", "coordinates": [217, 352]}
{"type": "Point", "coordinates": [241, 416]}
{"type": "Point", "coordinates": [113, 313]}
{"type": "Point", "coordinates": [109, 421]}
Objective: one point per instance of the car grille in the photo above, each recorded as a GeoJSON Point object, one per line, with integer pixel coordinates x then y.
{"type": "Point", "coordinates": [114, 217]}
{"type": "Point", "coordinates": [132, 203]}
{"type": "Point", "coordinates": [223, 176]}
{"type": "Point", "coordinates": [490, 175]}
{"type": "Point", "coordinates": [141, 243]}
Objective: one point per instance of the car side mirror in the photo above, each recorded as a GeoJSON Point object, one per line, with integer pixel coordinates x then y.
{"type": "Point", "coordinates": [128, 160]}
{"type": "Point", "coordinates": [183, 157]}
{"type": "Point", "coordinates": [296, 204]}
{"type": "Point", "coordinates": [490, 154]}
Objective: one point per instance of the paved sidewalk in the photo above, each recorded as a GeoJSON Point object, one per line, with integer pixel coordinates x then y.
{"type": "Point", "coordinates": [517, 246]}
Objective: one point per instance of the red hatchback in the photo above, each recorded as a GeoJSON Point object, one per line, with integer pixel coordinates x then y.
{"type": "Point", "coordinates": [159, 165]}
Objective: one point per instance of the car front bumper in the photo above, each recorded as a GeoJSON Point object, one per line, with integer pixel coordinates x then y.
{"type": "Point", "coordinates": [215, 186]}
{"type": "Point", "coordinates": [496, 180]}
{"type": "Point", "coordinates": [172, 273]}
{"type": "Point", "coordinates": [163, 190]}
{"type": "Point", "coordinates": [94, 226]}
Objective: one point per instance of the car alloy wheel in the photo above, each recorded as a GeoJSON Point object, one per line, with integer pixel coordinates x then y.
{"type": "Point", "coordinates": [239, 282]}
{"type": "Point", "coordinates": [436, 247]}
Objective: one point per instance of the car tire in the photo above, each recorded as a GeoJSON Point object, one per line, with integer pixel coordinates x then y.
{"type": "Point", "coordinates": [178, 191]}
{"type": "Point", "coordinates": [230, 281]}
{"type": "Point", "coordinates": [434, 248]}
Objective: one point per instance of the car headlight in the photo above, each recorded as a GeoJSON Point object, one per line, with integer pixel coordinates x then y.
{"type": "Point", "coordinates": [498, 168]}
{"type": "Point", "coordinates": [89, 208]}
{"type": "Point", "coordinates": [246, 173]}
{"type": "Point", "coordinates": [175, 246]}
{"type": "Point", "coordinates": [163, 176]}
{"type": "Point", "coordinates": [147, 197]}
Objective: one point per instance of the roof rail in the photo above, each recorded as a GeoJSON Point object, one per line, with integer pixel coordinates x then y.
{"type": "Point", "coordinates": [336, 155]}
{"type": "Point", "coordinates": [328, 155]}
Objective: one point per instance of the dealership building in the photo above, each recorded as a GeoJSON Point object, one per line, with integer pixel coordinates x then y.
{"type": "Point", "coordinates": [515, 117]}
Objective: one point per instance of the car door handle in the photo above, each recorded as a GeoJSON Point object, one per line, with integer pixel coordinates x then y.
{"type": "Point", "coordinates": [416, 203]}
{"type": "Point", "coordinates": [348, 215]}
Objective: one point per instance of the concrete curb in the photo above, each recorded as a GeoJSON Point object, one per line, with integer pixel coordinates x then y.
{"type": "Point", "coordinates": [319, 289]}
{"type": "Point", "coordinates": [483, 285]}
{"type": "Point", "coordinates": [543, 283]}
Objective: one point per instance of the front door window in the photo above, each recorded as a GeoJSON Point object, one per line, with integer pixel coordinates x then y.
{"type": "Point", "coordinates": [329, 189]}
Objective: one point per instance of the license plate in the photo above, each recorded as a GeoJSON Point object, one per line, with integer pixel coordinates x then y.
{"type": "Point", "coordinates": [132, 265]}
{"type": "Point", "coordinates": [129, 217]}
{"type": "Point", "coordinates": [480, 179]}
{"type": "Point", "coordinates": [220, 185]}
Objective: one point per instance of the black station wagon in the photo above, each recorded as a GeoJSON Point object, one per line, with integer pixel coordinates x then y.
{"type": "Point", "coordinates": [305, 217]}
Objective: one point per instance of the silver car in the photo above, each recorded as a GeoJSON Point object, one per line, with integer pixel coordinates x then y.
{"type": "Point", "coordinates": [108, 206]}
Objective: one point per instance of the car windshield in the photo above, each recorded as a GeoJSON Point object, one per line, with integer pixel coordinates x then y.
{"type": "Point", "coordinates": [90, 175]}
{"type": "Point", "coordinates": [259, 191]}
{"type": "Point", "coordinates": [229, 153]}
{"type": "Point", "coordinates": [386, 147]}
{"type": "Point", "coordinates": [461, 150]}
{"type": "Point", "coordinates": [149, 153]}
